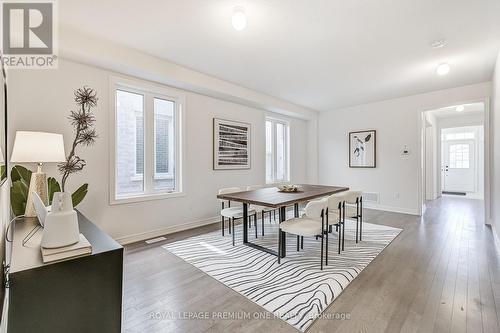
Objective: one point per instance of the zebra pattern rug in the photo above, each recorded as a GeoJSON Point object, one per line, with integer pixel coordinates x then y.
{"type": "Point", "coordinates": [296, 291]}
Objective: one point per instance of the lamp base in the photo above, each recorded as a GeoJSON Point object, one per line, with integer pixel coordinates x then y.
{"type": "Point", "coordinates": [38, 184]}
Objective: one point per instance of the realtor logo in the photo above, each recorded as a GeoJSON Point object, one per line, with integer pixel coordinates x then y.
{"type": "Point", "coordinates": [28, 34]}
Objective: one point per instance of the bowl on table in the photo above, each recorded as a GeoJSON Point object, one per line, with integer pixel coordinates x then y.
{"type": "Point", "coordinates": [290, 188]}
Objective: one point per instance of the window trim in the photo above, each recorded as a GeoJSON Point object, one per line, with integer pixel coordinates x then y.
{"type": "Point", "coordinates": [151, 90]}
{"type": "Point", "coordinates": [286, 123]}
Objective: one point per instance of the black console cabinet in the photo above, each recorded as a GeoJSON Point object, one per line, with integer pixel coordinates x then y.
{"type": "Point", "coordinates": [83, 294]}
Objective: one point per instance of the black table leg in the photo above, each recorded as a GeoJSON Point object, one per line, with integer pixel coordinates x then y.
{"type": "Point", "coordinates": [296, 209]}
{"type": "Point", "coordinates": [245, 222]}
{"type": "Point", "coordinates": [282, 216]}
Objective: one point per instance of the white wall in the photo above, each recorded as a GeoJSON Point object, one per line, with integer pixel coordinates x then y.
{"type": "Point", "coordinates": [495, 148]}
{"type": "Point", "coordinates": [41, 100]}
{"type": "Point", "coordinates": [397, 178]}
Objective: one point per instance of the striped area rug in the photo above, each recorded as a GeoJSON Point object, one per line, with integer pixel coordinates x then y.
{"type": "Point", "coordinates": [296, 291]}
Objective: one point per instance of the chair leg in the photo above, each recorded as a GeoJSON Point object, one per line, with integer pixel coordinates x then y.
{"type": "Point", "coordinates": [322, 250]}
{"type": "Point", "coordinates": [262, 223]}
{"type": "Point", "coordinates": [301, 242]}
{"type": "Point", "coordinates": [222, 222]}
{"type": "Point", "coordinates": [232, 222]}
{"type": "Point", "coordinates": [298, 241]}
{"type": "Point", "coordinates": [229, 225]}
{"type": "Point", "coordinates": [255, 224]}
{"type": "Point", "coordinates": [340, 234]}
{"type": "Point", "coordinates": [274, 213]}
{"type": "Point", "coordinates": [326, 246]}
{"type": "Point", "coordinates": [357, 222]}
{"type": "Point", "coordinates": [279, 246]}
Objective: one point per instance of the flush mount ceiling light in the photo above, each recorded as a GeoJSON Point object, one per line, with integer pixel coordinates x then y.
{"type": "Point", "coordinates": [438, 43]}
{"type": "Point", "coordinates": [460, 108]}
{"type": "Point", "coordinates": [443, 69]}
{"type": "Point", "coordinates": [239, 19]}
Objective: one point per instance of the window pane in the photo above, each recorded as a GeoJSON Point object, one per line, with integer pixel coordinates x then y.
{"type": "Point", "coordinates": [164, 176]}
{"type": "Point", "coordinates": [280, 152]}
{"type": "Point", "coordinates": [139, 143]}
{"type": "Point", "coordinates": [269, 151]}
{"type": "Point", "coordinates": [129, 143]}
{"type": "Point", "coordinates": [459, 156]}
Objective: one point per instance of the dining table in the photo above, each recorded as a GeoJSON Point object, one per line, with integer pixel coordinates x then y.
{"type": "Point", "coordinates": [273, 197]}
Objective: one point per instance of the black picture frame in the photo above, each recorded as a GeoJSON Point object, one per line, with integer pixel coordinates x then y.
{"type": "Point", "coordinates": [364, 134]}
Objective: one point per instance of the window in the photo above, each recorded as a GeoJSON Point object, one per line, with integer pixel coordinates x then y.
{"type": "Point", "coordinates": [459, 156]}
{"type": "Point", "coordinates": [458, 136]}
{"type": "Point", "coordinates": [277, 144]}
{"type": "Point", "coordinates": [146, 155]}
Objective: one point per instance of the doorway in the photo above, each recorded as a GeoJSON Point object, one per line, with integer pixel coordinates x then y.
{"type": "Point", "coordinates": [454, 152]}
{"type": "Point", "coordinates": [462, 160]}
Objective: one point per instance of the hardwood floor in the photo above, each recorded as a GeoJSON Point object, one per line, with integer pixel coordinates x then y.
{"type": "Point", "coordinates": [441, 274]}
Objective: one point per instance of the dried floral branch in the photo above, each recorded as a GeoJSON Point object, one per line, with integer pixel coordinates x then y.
{"type": "Point", "coordinates": [83, 121]}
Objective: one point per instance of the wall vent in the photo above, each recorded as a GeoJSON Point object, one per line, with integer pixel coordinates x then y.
{"type": "Point", "coordinates": [371, 197]}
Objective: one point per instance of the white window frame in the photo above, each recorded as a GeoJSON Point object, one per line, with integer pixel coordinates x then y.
{"type": "Point", "coordinates": [274, 167]}
{"type": "Point", "coordinates": [149, 91]}
{"type": "Point", "coordinates": [171, 161]}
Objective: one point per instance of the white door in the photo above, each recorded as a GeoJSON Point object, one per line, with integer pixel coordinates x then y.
{"type": "Point", "coordinates": [459, 167]}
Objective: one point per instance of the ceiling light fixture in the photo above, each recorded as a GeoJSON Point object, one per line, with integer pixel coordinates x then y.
{"type": "Point", "coordinates": [460, 108]}
{"type": "Point", "coordinates": [443, 69]}
{"type": "Point", "coordinates": [239, 19]}
{"type": "Point", "coordinates": [439, 43]}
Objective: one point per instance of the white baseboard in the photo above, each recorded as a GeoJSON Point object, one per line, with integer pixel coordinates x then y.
{"type": "Point", "coordinates": [375, 206]}
{"type": "Point", "coordinates": [165, 231]}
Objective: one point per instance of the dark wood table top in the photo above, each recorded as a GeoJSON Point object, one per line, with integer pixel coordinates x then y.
{"type": "Point", "coordinates": [272, 197]}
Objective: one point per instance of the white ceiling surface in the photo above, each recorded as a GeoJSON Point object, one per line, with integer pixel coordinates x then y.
{"type": "Point", "coordinates": [471, 109]}
{"type": "Point", "coordinates": [322, 54]}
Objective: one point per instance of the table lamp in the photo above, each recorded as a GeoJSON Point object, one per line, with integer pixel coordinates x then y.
{"type": "Point", "coordinates": [39, 148]}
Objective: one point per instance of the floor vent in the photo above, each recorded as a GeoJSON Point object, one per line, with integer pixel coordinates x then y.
{"type": "Point", "coordinates": [371, 197]}
{"type": "Point", "coordinates": [155, 240]}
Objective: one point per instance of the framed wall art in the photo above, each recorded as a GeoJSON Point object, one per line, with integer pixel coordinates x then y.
{"type": "Point", "coordinates": [231, 145]}
{"type": "Point", "coordinates": [362, 149]}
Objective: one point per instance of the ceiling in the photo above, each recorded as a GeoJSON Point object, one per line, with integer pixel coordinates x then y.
{"type": "Point", "coordinates": [322, 54]}
{"type": "Point", "coordinates": [451, 111]}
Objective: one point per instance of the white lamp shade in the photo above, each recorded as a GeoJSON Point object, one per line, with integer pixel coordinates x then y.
{"type": "Point", "coordinates": [38, 147]}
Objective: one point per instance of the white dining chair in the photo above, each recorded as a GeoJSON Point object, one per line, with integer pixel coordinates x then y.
{"type": "Point", "coordinates": [353, 208]}
{"type": "Point", "coordinates": [335, 217]}
{"type": "Point", "coordinates": [313, 223]}
{"type": "Point", "coordinates": [235, 212]}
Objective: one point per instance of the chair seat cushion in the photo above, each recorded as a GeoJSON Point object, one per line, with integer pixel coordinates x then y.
{"type": "Point", "coordinates": [302, 226]}
{"type": "Point", "coordinates": [236, 212]}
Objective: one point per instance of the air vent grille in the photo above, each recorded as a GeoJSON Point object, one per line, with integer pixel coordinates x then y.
{"type": "Point", "coordinates": [371, 197]}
